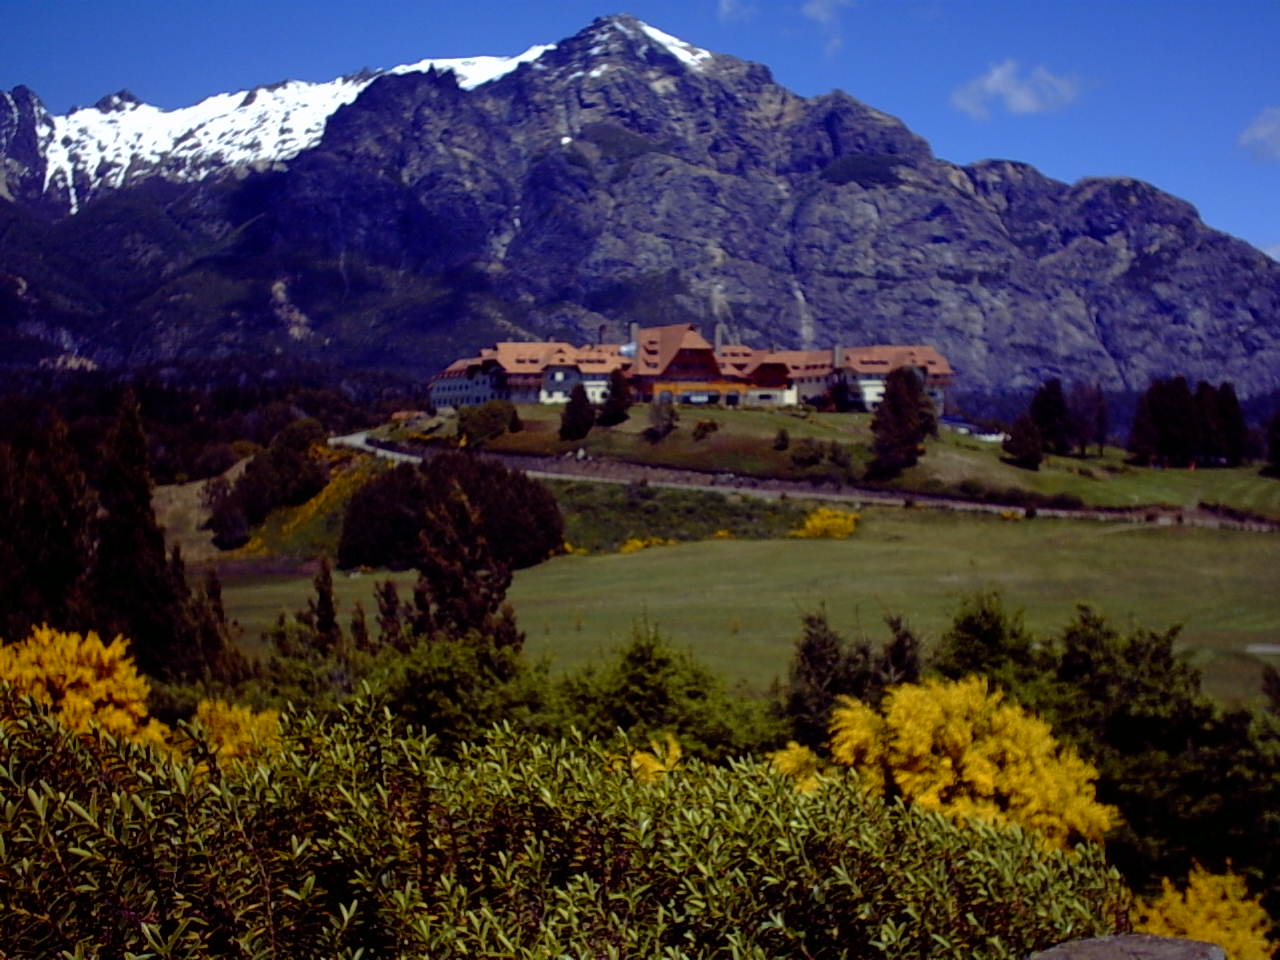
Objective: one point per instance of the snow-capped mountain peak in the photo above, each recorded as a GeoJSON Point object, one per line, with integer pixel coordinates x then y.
{"type": "Point", "coordinates": [66, 160]}
{"type": "Point", "coordinates": [120, 139]}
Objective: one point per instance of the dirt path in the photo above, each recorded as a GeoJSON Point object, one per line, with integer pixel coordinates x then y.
{"type": "Point", "coordinates": [612, 471]}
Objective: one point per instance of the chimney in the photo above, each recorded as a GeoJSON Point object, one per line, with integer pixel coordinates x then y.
{"type": "Point", "coordinates": [635, 333]}
{"type": "Point", "coordinates": [837, 357]}
{"type": "Point", "coordinates": [600, 336]}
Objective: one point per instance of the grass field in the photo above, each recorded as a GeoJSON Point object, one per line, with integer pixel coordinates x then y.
{"type": "Point", "coordinates": [737, 603]}
{"type": "Point", "coordinates": [744, 444]}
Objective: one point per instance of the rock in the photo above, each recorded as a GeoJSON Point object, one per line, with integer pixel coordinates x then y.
{"type": "Point", "coordinates": [620, 178]}
{"type": "Point", "coordinates": [1133, 947]}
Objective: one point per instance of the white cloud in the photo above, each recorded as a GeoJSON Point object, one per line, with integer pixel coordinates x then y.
{"type": "Point", "coordinates": [1273, 252]}
{"type": "Point", "coordinates": [1037, 92]}
{"type": "Point", "coordinates": [1263, 136]}
{"type": "Point", "coordinates": [731, 9]}
{"type": "Point", "coordinates": [827, 14]}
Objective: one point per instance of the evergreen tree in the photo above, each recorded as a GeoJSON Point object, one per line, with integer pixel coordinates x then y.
{"type": "Point", "coordinates": [47, 534]}
{"type": "Point", "coordinates": [1272, 469]}
{"type": "Point", "coordinates": [389, 626]}
{"type": "Point", "coordinates": [1048, 411]}
{"type": "Point", "coordinates": [1143, 440]}
{"type": "Point", "coordinates": [1235, 431]}
{"type": "Point", "coordinates": [360, 629]}
{"type": "Point", "coordinates": [825, 666]}
{"type": "Point", "coordinates": [618, 401]}
{"type": "Point", "coordinates": [983, 639]}
{"type": "Point", "coordinates": [578, 417]}
{"type": "Point", "coordinates": [1024, 445]}
{"type": "Point", "coordinates": [323, 610]}
{"type": "Point", "coordinates": [1209, 432]}
{"type": "Point", "coordinates": [901, 423]}
{"type": "Point", "coordinates": [1088, 410]}
{"type": "Point", "coordinates": [136, 592]}
{"type": "Point", "coordinates": [1165, 426]}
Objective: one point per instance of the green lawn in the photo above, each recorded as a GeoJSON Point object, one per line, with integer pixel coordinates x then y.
{"type": "Point", "coordinates": [737, 603]}
{"type": "Point", "coordinates": [744, 444]}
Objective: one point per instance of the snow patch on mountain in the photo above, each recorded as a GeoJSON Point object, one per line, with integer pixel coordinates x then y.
{"type": "Point", "coordinates": [120, 139]}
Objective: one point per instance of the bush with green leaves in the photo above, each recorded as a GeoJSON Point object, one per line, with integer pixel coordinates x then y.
{"type": "Point", "coordinates": [348, 839]}
{"type": "Point", "coordinates": [387, 518]}
{"type": "Point", "coordinates": [601, 517]}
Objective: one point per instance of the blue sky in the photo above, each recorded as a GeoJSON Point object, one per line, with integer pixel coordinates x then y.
{"type": "Point", "coordinates": [1182, 93]}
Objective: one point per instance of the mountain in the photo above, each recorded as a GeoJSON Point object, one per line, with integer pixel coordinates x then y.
{"type": "Point", "coordinates": [392, 219]}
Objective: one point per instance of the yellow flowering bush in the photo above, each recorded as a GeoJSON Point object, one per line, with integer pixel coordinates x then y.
{"type": "Point", "coordinates": [237, 732]}
{"type": "Point", "coordinates": [662, 757]}
{"type": "Point", "coordinates": [956, 747]}
{"type": "Point", "coordinates": [85, 681]}
{"type": "Point", "coordinates": [827, 523]}
{"type": "Point", "coordinates": [800, 764]}
{"type": "Point", "coordinates": [90, 684]}
{"type": "Point", "coordinates": [1215, 908]}
{"type": "Point", "coordinates": [636, 544]}
{"type": "Point", "coordinates": [723, 535]}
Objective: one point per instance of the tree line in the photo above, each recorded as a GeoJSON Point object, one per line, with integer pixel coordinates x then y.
{"type": "Point", "coordinates": [80, 549]}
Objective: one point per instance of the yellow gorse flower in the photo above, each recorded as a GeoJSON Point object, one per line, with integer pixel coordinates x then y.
{"type": "Point", "coordinates": [827, 523]}
{"type": "Point", "coordinates": [956, 747]}
{"type": "Point", "coordinates": [1215, 908]}
{"type": "Point", "coordinates": [86, 682]}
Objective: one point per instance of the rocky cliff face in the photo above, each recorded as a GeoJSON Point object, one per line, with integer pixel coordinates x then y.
{"type": "Point", "coordinates": [624, 175]}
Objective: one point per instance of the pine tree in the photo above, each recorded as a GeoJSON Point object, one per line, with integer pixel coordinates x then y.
{"type": "Point", "coordinates": [1235, 431]}
{"type": "Point", "coordinates": [323, 610]}
{"type": "Point", "coordinates": [578, 417]}
{"type": "Point", "coordinates": [390, 630]}
{"type": "Point", "coordinates": [360, 628]}
{"type": "Point", "coordinates": [47, 534]}
{"type": "Point", "coordinates": [1048, 410]}
{"type": "Point", "coordinates": [901, 422]}
{"type": "Point", "coordinates": [1024, 445]}
{"type": "Point", "coordinates": [135, 592]}
{"type": "Point", "coordinates": [825, 666]}
{"type": "Point", "coordinates": [1209, 432]}
{"type": "Point", "coordinates": [618, 401]}
{"type": "Point", "coordinates": [1272, 469]}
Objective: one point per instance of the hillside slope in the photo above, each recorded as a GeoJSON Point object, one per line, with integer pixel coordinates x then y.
{"type": "Point", "coordinates": [623, 175]}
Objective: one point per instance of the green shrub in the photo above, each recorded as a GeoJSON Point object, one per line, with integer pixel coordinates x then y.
{"type": "Point", "coordinates": [704, 428]}
{"type": "Point", "coordinates": [487, 421]}
{"type": "Point", "coordinates": [601, 517]}
{"type": "Point", "coordinates": [348, 840]}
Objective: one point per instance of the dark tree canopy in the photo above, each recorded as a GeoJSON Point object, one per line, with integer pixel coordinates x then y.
{"type": "Point", "coordinates": [1173, 427]}
{"type": "Point", "coordinates": [618, 401]}
{"type": "Point", "coordinates": [47, 534]}
{"type": "Point", "coordinates": [825, 665]}
{"type": "Point", "coordinates": [136, 592]}
{"type": "Point", "coordinates": [1049, 412]}
{"type": "Point", "coordinates": [1025, 446]}
{"type": "Point", "coordinates": [578, 416]}
{"type": "Point", "coordinates": [386, 518]}
{"type": "Point", "coordinates": [1273, 445]}
{"type": "Point", "coordinates": [901, 423]}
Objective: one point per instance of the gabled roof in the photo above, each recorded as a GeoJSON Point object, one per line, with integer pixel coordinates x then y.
{"type": "Point", "coordinates": [882, 358]}
{"type": "Point", "coordinates": [533, 357]}
{"type": "Point", "coordinates": [802, 363]}
{"type": "Point", "coordinates": [657, 346]}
